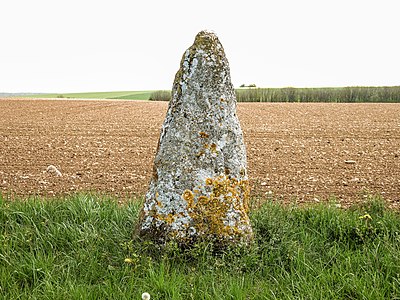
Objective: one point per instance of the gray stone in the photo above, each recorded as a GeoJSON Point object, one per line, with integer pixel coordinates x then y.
{"type": "Point", "coordinates": [53, 170]}
{"type": "Point", "coordinates": [199, 189]}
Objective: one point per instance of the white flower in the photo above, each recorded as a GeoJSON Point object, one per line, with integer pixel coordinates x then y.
{"type": "Point", "coordinates": [146, 296]}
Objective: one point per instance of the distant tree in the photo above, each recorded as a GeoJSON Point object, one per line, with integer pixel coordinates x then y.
{"type": "Point", "coordinates": [242, 85]}
{"type": "Point", "coordinates": [253, 85]}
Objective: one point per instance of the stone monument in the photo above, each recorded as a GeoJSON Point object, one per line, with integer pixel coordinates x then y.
{"type": "Point", "coordinates": [199, 189]}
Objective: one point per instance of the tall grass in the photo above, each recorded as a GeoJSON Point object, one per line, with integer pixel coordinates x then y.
{"type": "Point", "coordinates": [160, 95]}
{"type": "Point", "coordinates": [289, 94]}
{"type": "Point", "coordinates": [345, 94]}
{"type": "Point", "coordinates": [82, 248]}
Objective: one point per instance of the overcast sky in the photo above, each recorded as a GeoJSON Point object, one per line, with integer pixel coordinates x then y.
{"type": "Point", "coordinates": [114, 45]}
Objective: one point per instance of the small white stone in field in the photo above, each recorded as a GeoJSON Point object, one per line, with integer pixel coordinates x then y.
{"type": "Point", "coordinates": [350, 162]}
{"type": "Point", "coordinates": [263, 183]}
{"type": "Point", "coordinates": [53, 170]}
{"type": "Point", "coordinates": [146, 296]}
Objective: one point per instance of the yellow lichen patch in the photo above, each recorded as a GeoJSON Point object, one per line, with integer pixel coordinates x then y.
{"type": "Point", "coordinates": [209, 181]}
{"type": "Point", "coordinates": [169, 218]}
{"type": "Point", "coordinates": [187, 195]}
{"type": "Point", "coordinates": [202, 200]}
{"type": "Point", "coordinates": [200, 153]}
{"type": "Point", "coordinates": [203, 134]}
{"type": "Point", "coordinates": [245, 190]}
{"type": "Point", "coordinates": [213, 148]}
{"type": "Point", "coordinates": [210, 214]}
{"type": "Point", "coordinates": [189, 198]}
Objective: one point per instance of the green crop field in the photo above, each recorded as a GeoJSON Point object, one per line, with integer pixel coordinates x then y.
{"type": "Point", "coordinates": [336, 95]}
{"type": "Point", "coordinates": [132, 95]}
{"type": "Point", "coordinates": [83, 247]}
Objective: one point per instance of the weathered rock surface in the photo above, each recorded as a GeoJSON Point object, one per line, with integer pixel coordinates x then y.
{"type": "Point", "coordinates": [199, 188]}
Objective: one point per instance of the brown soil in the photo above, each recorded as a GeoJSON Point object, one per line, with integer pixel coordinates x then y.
{"type": "Point", "coordinates": [296, 152]}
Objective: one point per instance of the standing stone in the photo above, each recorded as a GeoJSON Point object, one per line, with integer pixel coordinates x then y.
{"type": "Point", "coordinates": [199, 189]}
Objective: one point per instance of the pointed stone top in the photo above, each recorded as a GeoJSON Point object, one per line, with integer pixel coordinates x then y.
{"type": "Point", "coordinates": [204, 72]}
{"type": "Point", "coordinates": [207, 40]}
{"type": "Point", "coordinates": [206, 34]}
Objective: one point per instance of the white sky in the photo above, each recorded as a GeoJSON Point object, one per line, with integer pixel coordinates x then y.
{"type": "Point", "coordinates": [95, 45]}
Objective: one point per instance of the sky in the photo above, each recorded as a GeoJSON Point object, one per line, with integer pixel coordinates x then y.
{"type": "Point", "coordinates": [65, 46]}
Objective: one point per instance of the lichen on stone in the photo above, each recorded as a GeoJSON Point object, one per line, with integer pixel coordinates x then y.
{"type": "Point", "coordinates": [222, 213]}
{"type": "Point", "coordinates": [199, 188]}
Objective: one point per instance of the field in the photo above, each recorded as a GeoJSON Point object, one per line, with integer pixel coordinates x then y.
{"type": "Point", "coordinates": [134, 95]}
{"type": "Point", "coordinates": [350, 94]}
{"type": "Point", "coordinates": [81, 245]}
{"type": "Point", "coordinates": [297, 152]}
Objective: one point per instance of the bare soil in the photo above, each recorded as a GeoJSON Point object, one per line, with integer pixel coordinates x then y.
{"type": "Point", "coordinates": [297, 152]}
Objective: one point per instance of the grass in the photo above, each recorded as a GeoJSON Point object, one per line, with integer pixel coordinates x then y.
{"type": "Point", "coordinates": [336, 95]}
{"type": "Point", "coordinates": [354, 94]}
{"type": "Point", "coordinates": [82, 248]}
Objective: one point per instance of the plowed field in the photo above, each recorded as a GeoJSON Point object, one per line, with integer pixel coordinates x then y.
{"type": "Point", "coordinates": [296, 151]}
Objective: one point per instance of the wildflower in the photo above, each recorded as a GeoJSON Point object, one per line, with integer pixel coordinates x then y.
{"type": "Point", "coordinates": [366, 216]}
{"type": "Point", "coordinates": [146, 296]}
{"type": "Point", "coordinates": [128, 260]}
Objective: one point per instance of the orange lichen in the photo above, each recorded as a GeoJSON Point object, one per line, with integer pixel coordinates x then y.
{"type": "Point", "coordinates": [210, 213]}
{"type": "Point", "coordinates": [187, 195]}
{"type": "Point", "coordinates": [189, 198]}
{"type": "Point", "coordinates": [168, 218]}
{"type": "Point", "coordinates": [200, 153]}
{"type": "Point", "coordinates": [202, 200]}
{"type": "Point", "coordinates": [203, 135]}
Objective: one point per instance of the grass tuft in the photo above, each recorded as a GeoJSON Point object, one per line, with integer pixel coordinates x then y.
{"type": "Point", "coordinates": [82, 248]}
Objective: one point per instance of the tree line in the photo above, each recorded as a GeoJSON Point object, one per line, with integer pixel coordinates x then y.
{"type": "Point", "coordinates": [289, 94]}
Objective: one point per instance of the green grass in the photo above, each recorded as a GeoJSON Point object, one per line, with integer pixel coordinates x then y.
{"type": "Point", "coordinates": [353, 94]}
{"type": "Point", "coordinates": [132, 95]}
{"type": "Point", "coordinates": [82, 248]}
